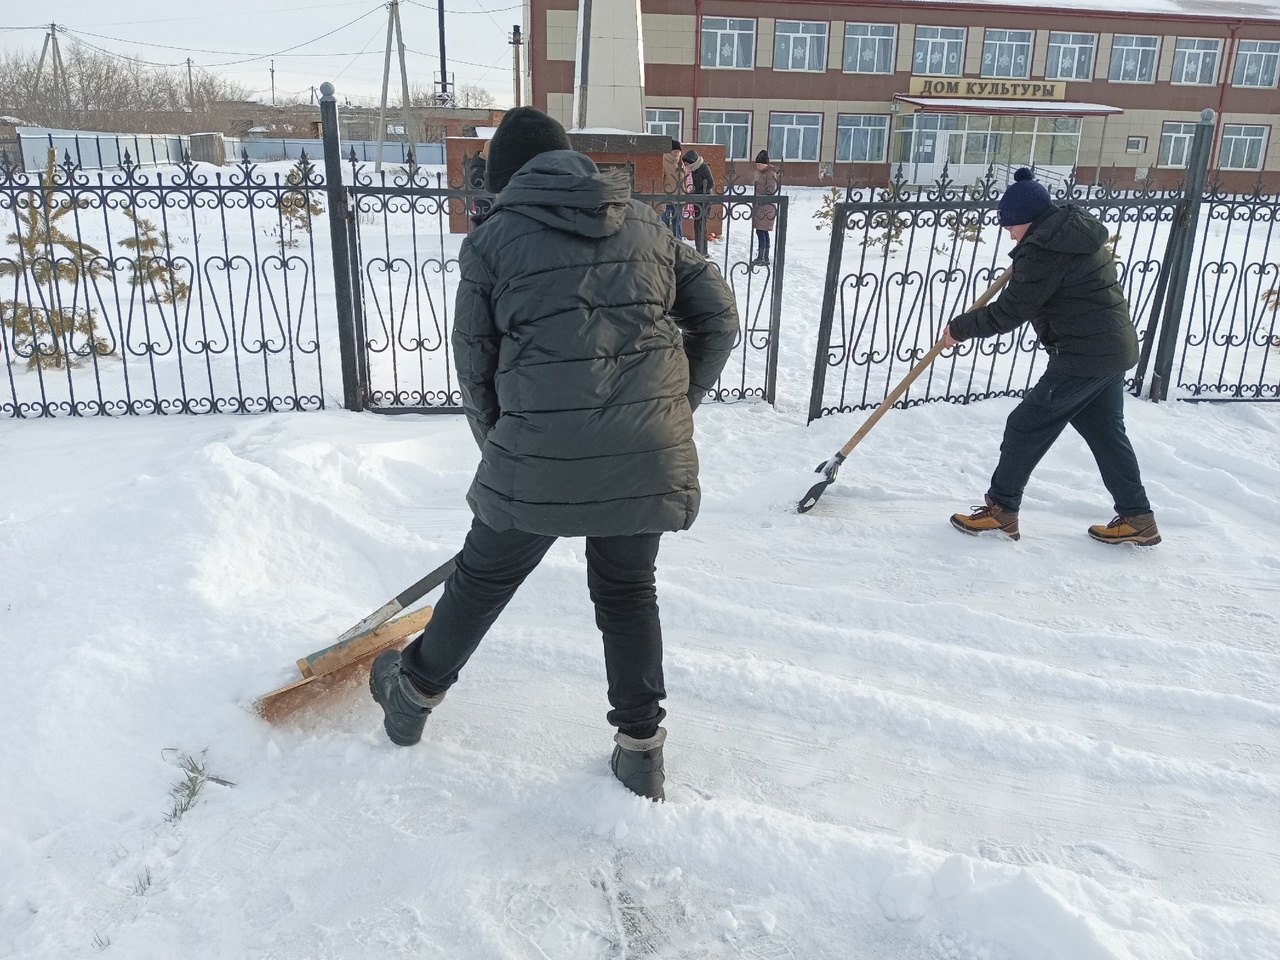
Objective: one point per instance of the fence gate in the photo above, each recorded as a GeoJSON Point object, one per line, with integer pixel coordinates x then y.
{"type": "Point", "coordinates": [401, 232]}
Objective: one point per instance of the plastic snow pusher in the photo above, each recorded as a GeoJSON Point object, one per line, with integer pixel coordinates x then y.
{"type": "Point", "coordinates": [829, 468]}
{"type": "Point", "coordinates": [332, 668]}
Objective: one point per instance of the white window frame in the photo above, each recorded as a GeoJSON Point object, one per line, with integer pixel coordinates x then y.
{"type": "Point", "coordinates": [1175, 144]}
{"type": "Point", "coordinates": [1186, 49]}
{"type": "Point", "coordinates": [1074, 42]}
{"type": "Point", "coordinates": [932, 37]}
{"type": "Point", "coordinates": [720, 131]}
{"type": "Point", "coordinates": [1135, 144]}
{"type": "Point", "coordinates": [873, 41]}
{"type": "Point", "coordinates": [663, 123]}
{"type": "Point", "coordinates": [743, 39]}
{"type": "Point", "coordinates": [1263, 51]}
{"type": "Point", "coordinates": [880, 124]}
{"type": "Point", "coordinates": [1018, 43]}
{"type": "Point", "coordinates": [1140, 50]}
{"type": "Point", "coordinates": [1262, 136]}
{"type": "Point", "coordinates": [782, 151]}
{"type": "Point", "coordinates": [800, 34]}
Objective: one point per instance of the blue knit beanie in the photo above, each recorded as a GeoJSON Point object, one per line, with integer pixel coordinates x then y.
{"type": "Point", "coordinates": [1025, 199]}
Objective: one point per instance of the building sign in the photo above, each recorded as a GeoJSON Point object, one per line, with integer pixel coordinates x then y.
{"type": "Point", "coordinates": [987, 89]}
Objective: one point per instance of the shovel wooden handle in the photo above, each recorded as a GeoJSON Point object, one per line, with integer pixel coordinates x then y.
{"type": "Point", "coordinates": [918, 369]}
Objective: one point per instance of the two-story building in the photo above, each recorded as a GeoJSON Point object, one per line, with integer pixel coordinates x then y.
{"type": "Point", "coordinates": [849, 89]}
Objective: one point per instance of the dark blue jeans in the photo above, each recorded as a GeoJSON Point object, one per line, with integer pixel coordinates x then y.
{"type": "Point", "coordinates": [1095, 407]}
{"type": "Point", "coordinates": [762, 244]}
{"type": "Point", "coordinates": [671, 217]}
{"type": "Point", "coordinates": [620, 579]}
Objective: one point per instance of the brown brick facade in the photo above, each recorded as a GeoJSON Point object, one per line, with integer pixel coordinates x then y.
{"type": "Point", "coordinates": [674, 78]}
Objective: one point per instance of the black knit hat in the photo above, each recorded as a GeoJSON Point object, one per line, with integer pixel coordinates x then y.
{"type": "Point", "coordinates": [691, 156]}
{"type": "Point", "coordinates": [762, 156]}
{"type": "Point", "coordinates": [523, 134]}
{"type": "Point", "coordinates": [675, 144]}
{"type": "Point", "coordinates": [1025, 199]}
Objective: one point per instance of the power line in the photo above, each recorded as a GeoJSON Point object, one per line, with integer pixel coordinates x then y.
{"type": "Point", "coordinates": [224, 16]}
{"type": "Point", "coordinates": [249, 57]}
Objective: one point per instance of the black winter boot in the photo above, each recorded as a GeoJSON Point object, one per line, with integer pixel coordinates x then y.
{"type": "Point", "coordinates": [406, 708]}
{"type": "Point", "coordinates": [638, 764]}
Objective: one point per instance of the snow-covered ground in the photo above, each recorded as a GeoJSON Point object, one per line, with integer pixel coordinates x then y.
{"type": "Point", "coordinates": [887, 740]}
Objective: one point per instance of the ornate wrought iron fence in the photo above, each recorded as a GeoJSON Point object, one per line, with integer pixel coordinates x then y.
{"type": "Point", "coordinates": [405, 275]}
{"type": "Point", "coordinates": [159, 292]}
{"type": "Point", "coordinates": [1232, 343]}
{"type": "Point", "coordinates": [920, 256]}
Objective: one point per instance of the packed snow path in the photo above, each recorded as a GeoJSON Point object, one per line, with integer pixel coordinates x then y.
{"type": "Point", "coordinates": [887, 740]}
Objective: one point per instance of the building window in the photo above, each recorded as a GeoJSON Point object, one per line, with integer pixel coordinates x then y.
{"type": "Point", "coordinates": [799, 46]}
{"type": "Point", "coordinates": [1133, 59]}
{"type": "Point", "coordinates": [795, 136]}
{"type": "Point", "coordinates": [1135, 145]}
{"type": "Point", "coordinates": [732, 129]}
{"type": "Point", "coordinates": [1243, 147]}
{"type": "Point", "coordinates": [1006, 53]}
{"type": "Point", "coordinates": [728, 43]}
{"type": "Point", "coordinates": [666, 123]}
{"type": "Point", "coordinates": [1175, 143]}
{"type": "Point", "coordinates": [869, 47]}
{"type": "Point", "coordinates": [861, 138]}
{"type": "Point", "coordinates": [1196, 61]}
{"type": "Point", "coordinates": [1256, 63]}
{"type": "Point", "coordinates": [1070, 56]}
{"type": "Point", "coordinates": [939, 51]}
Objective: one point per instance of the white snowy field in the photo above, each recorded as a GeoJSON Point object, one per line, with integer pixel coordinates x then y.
{"type": "Point", "coordinates": [887, 740]}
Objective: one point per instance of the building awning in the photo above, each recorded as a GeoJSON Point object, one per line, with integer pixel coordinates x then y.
{"type": "Point", "coordinates": [1024, 108]}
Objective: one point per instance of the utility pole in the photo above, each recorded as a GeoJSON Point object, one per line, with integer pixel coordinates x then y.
{"type": "Point", "coordinates": [516, 41]}
{"type": "Point", "coordinates": [273, 83]}
{"type": "Point", "coordinates": [394, 29]}
{"type": "Point", "coordinates": [445, 98]}
{"type": "Point", "coordinates": [61, 88]}
{"type": "Point", "coordinates": [191, 88]}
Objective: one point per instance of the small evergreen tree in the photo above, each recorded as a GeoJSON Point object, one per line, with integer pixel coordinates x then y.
{"type": "Point", "coordinates": [826, 214]}
{"type": "Point", "coordinates": [297, 209]}
{"type": "Point", "coordinates": [148, 269]}
{"type": "Point", "coordinates": [892, 225]}
{"type": "Point", "coordinates": [39, 324]}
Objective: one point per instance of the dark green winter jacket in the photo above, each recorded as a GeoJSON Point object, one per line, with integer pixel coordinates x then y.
{"type": "Point", "coordinates": [584, 336]}
{"type": "Point", "coordinates": [1064, 281]}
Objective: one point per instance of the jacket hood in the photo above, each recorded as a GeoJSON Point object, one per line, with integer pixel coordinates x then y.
{"type": "Point", "coordinates": [1067, 229]}
{"type": "Point", "coordinates": [567, 191]}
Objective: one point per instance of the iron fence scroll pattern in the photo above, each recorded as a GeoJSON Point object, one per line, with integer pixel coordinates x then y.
{"type": "Point", "coordinates": [405, 267]}
{"type": "Point", "coordinates": [159, 292]}
{"type": "Point", "coordinates": [405, 263]}
{"type": "Point", "coordinates": [905, 260]}
{"type": "Point", "coordinates": [1232, 346]}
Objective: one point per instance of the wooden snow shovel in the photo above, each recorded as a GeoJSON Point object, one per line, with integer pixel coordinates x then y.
{"type": "Point", "coordinates": [829, 468]}
{"type": "Point", "coordinates": [335, 668]}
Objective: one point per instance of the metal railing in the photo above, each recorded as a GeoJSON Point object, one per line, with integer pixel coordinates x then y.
{"type": "Point", "coordinates": [153, 292]}
{"type": "Point", "coordinates": [1198, 268]}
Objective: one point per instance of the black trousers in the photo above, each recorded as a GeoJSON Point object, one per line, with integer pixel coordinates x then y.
{"type": "Point", "coordinates": [762, 244]}
{"type": "Point", "coordinates": [700, 228]}
{"type": "Point", "coordinates": [1095, 407]}
{"type": "Point", "coordinates": [620, 579]}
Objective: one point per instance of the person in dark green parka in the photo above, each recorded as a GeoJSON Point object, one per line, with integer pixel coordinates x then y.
{"type": "Point", "coordinates": [585, 335]}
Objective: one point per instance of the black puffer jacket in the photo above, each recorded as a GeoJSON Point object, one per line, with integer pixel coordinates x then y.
{"type": "Point", "coordinates": [1064, 281]}
{"type": "Point", "coordinates": [584, 337]}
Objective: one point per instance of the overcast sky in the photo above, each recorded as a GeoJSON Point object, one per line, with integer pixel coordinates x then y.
{"type": "Point", "coordinates": [170, 31]}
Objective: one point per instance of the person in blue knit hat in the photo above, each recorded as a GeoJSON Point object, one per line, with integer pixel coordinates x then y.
{"type": "Point", "coordinates": [1065, 282]}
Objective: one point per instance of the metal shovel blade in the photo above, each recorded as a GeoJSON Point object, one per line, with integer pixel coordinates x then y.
{"type": "Point", "coordinates": [829, 469]}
